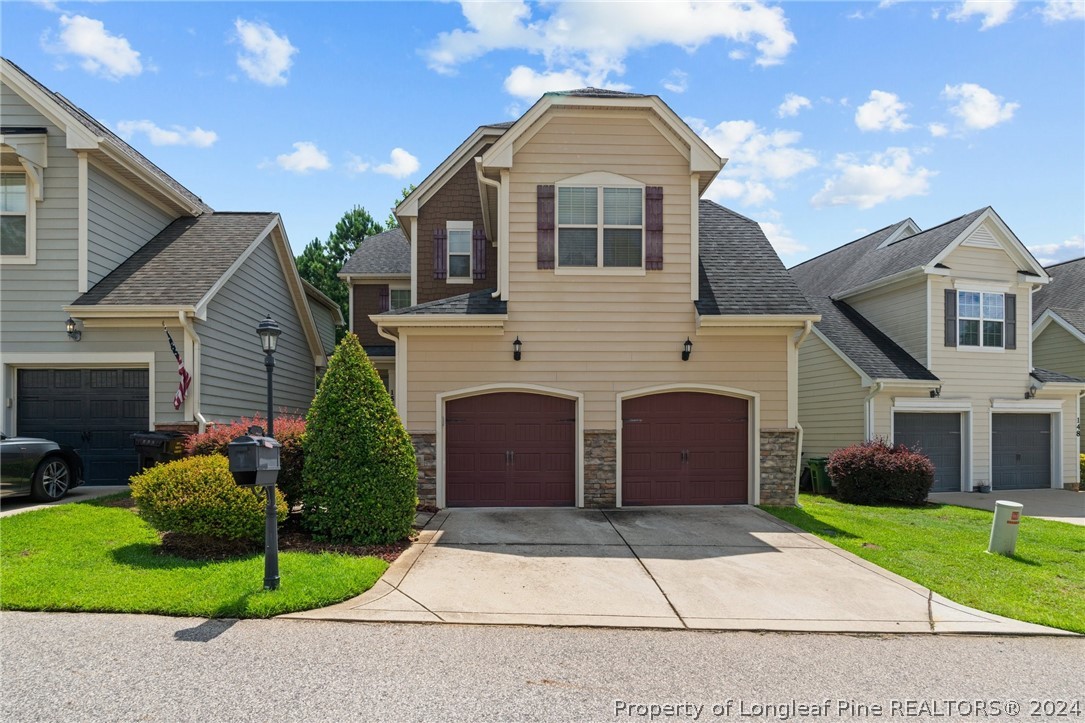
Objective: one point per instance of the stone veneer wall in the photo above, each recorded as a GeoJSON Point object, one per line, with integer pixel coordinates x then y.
{"type": "Point", "coordinates": [779, 448]}
{"type": "Point", "coordinates": [600, 468]}
{"type": "Point", "coordinates": [425, 456]}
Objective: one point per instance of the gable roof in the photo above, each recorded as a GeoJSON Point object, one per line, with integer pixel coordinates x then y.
{"type": "Point", "coordinates": [862, 262]}
{"type": "Point", "coordinates": [1065, 295]}
{"type": "Point", "coordinates": [180, 265]}
{"type": "Point", "coordinates": [324, 300]}
{"type": "Point", "coordinates": [740, 272]}
{"type": "Point", "coordinates": [383, 254]}
{"type": "Point", "coordinates": [864, 344]}
{"type": "Point", "coordinates": [475, 302]}
{"type": "Point", "coordinates": [104, 135]}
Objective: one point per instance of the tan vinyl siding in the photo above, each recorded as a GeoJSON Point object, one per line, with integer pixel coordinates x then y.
{"type": "Point", "coordinates": [901, 313]}
{"type": "Point", "coordinates": [831, 400]}
{"type": "Point", "coordinates": [967, 262]}
{"type": "Point", "coordinates": [119, 223]}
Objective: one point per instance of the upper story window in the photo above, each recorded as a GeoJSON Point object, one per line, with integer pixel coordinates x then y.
{"type": "Point", "coordinates": [15, 218]}
{"type": "Point", "coordinates": [459, 250]}
{"type": "Point", "coordinates": [981, 319]}
{"type": "Point", "coordinates": [600, 227]}
{"type": "Point", "coordinates": [399, 298]}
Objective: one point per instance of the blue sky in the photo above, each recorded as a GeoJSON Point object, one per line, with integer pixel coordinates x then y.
{"type": "Point", "coordinates": [839, 118]}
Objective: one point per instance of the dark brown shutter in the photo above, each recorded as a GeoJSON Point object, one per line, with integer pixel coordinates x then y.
{"type": "Point", "coordinates": [653, 228]}
{"type": "Point", "coordinates": [440, 253]}
{"type": "Point", "coordinates": [1011, 321]}
{"type": "Point", "coordinates": [951, 317]}
{"type": "Point", "coordinates": [383, 303]}
{"type": "Point", "coordinates": [478, 254]}
{"type": "Point", "coordinates": [545, 224]}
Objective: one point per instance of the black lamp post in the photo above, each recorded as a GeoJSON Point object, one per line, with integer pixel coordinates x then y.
{"type": "Point", "coordinates": [269, 335]}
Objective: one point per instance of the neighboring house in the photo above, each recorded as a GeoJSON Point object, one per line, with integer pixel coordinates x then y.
{"type": "Point", "coordinates": [1058, 325]}
{"type": "Point", "coordinates": [96, 233]}
{"type": "Point", "coordinates": [583, 329]}
{"type": "Point", "coordinates": [923, 341]}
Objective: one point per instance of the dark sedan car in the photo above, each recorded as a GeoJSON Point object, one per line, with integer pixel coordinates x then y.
{"type": "Point", "coordinates": [45, 470]}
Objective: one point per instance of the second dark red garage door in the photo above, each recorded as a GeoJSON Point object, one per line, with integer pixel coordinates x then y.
{"type": "Point", "coordinates": [685, 448]}
{"type": "Point", "coordinates": [510, 449]}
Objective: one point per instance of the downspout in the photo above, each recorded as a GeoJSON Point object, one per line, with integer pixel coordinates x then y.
{"type": "Point", "coordinates": [493, 184]}
{"type": "Point", "coordinates": [869, 402]}
{"type": "Point", "coordinates": [191, 331]}
{"type": "Point", "coordinates": [807, 328]}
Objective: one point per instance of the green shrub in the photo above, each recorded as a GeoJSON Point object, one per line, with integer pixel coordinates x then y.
{"type": "Point", "coordinates": [290, 433]}
{"type": "Point", "coordinates": [1081, 477]}
{"type": "Point", "coordinates": [874, 472]}
{"type": "Point", "coordinates": [198, 496]}
{"type": "Point", "coordinates": [360, 478]}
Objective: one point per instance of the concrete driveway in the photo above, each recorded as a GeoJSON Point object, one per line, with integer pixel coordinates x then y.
{"type": "Point", "coordinates": [14, 505]}
{"type": "Point", "coordinates": [729, 568]}
{"type": "Point", "coordinates": [1051, 504]}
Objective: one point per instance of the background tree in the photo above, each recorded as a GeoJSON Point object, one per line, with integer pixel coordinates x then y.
{"type": "Point", "coordinates": [316, 267]}
{"type": "Point", "coordinates": [393, 222]}
{"type": "Point", "coordinates": [355, 226]}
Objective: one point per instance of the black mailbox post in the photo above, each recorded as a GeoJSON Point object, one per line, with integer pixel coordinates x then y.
{"type": "Point", "coordinates": [254, 462]}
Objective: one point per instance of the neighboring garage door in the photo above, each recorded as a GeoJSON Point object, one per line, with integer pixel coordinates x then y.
{"type": "Point", "coordinates": [93, 410]}
{"type": "Point", "coordinates": [1021, 451]}
{"type": "Point", "coordinates": [510, 449]}
{"type": "Point", "coordinates": [685, 448]}
{"type": "Point", "coordinates": [939, 437]}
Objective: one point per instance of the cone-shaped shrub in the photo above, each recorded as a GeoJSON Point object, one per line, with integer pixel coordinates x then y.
{"type": "Point", "coordinates": [359, 478]}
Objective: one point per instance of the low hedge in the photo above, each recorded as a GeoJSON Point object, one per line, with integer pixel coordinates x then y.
{"type": "Point", "coordinates": [198, 496]}
{"type": "Point", "coordinates": [874, 472]}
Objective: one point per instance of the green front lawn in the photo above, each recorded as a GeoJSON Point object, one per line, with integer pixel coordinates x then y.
{"type": "Point", "coordinates": [944, 548]}
{"type": "Point", "coordinates": [94, 557]}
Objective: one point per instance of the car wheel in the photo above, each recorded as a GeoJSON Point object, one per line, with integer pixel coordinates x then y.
{"type": "Point", "coordinates": [51, 480]}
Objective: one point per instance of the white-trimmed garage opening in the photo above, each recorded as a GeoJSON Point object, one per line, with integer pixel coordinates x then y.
{"type": "Point", "coordinates": [1022, 425]}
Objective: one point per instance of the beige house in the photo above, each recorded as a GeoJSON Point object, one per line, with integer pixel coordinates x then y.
{"type": "Point", "coordinates": [584, 329]}
{"type": "Point", "coordinates": [1058, 325]}
{"type": "Point", "coordinates": [924, 340]}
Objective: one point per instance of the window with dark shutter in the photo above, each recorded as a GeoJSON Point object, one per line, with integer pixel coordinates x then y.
{"type": "Point", "coordinates": [440, 253]}
{"type": "Point", "coordinates": [653, 227]}
{"type": "Point", "coordinates": [1011, 321]}
{"type": "Point", "coordinates": [479, 255]}
{"type": "Point", "coordinates": [382, 300]}
{"type": "Point", "coordinates": [545, 226]}
{"type": "Point", "coordinates": [951, 317]}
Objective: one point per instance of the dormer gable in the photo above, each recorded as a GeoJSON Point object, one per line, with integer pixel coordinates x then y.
{"type": "Point", "coordinates": [988, 232]}
{"type": "Point", "coordinates": [904, 229]}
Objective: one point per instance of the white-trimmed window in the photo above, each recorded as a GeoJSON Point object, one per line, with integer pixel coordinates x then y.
{"type": "Point", "coordinates": [399, 298]}
{"type": "Point", "coordinates": [16, 217]}
{"type": "Point", "coordinates": [600, 227]}
{"type": "Point", "coordinates": [981, 319]}
{"type": "Point", "coordinates": [459, 250]}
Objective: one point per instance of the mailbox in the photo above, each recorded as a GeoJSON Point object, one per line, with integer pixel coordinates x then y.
{"type": "Point", "coordinates": [254, 460]}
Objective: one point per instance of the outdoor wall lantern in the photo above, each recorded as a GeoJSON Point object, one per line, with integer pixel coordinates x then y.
{"type": "Point", "coordinates": [687, 349]}
{"type": "Point", "coordinates": [517, 347]}
{"type": "Point", "coordinates": [936, 392]}
{"type": "Point", "coordinates": [269, 335]}
{"type": "Point", "coordinates": [1031, 393]}
{"type": "Point", "coordinates": [73, 329]}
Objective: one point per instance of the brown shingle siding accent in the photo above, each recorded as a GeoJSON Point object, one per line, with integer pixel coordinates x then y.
{"type": "Point", "coordinates": [457, 200]}
{"type": "Point", "coordinates": [366, 301]}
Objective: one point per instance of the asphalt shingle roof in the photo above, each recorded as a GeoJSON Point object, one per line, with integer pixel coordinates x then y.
{"type": "Point", "coordinates": [181, 264]}
{"type": "Point", "coordinates": [1065, 295]}
{"type": "Point", "coordinates": [1044, 376]}
{"type": "Point", "coordinates": [385, 253]}
{"type": "Point", "coordinates": [861, 262]}
{"type": "Point", "coordinates": [870, 349]}
{"type": "Point", "coordinates": [475, 302]}
{"type": "Point", "coordinates": [740, 272]}
{"type": "Point", "coordinates": [596, 93]}
{"type": "Point", "coordinates": [131, 153]}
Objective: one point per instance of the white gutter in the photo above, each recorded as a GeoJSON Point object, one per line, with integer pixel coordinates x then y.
{"type": "Point", "coordinates": [807, 328]}
{"type": "Point", "coordinates": [190, 330]}
{"type": "Point", "coordinates": [493, 184]}
{"type": "Point", "coordinates": [869, 407]}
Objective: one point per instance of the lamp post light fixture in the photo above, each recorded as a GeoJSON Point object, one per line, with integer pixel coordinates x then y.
{"type": "Point", "coordinates": [687, 349]}
{"type": "Point", "coordinates": [517, 347]}
{"type": "Point", "coordinates": [269, 335]}
{"type": "Point", "coordinates": [73, 329]}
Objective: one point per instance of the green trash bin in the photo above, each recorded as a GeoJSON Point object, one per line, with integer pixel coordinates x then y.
{"type": "Point", "coordinates": [819, 475]}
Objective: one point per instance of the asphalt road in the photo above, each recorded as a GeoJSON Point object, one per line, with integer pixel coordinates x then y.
{"type": "Point", "coordinates": [64, 667]}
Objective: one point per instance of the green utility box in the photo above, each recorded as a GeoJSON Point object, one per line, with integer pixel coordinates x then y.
{"type": "Point", "coordinates": [819, 475]}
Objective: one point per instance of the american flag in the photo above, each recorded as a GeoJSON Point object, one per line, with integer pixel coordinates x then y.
{"type": "Point", "coordinates": [186, 380]}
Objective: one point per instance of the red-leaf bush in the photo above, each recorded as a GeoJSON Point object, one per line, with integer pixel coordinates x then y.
{"type": "Point", "coordinates": [290, 433]}
{"type": "Point", "coordinates": [875, 471]}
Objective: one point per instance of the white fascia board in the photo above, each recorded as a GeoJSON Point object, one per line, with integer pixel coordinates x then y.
{"type": "Point", "coordinates": [128, 311]}
{"type": "Point", "coordinates": [1017, 250]}
{"type": "Point", "coordinates": [370, 277]}
{"type": "Point", "coordinates": [899, 277]}
{"type": "Point", "coordinates": [467, 150]}
{"type": "Point", "coordinates": [1029, 405]}
{"type": "Point", "coordinates": [1051, 317]}
{"type": "Point", "coordinates": [119, 157]}
{"type": "Point", "coordinates": [909, 383]}
{"type": "Point", "coordinates": [746, 320]}
{"type": "Point", "coordinates": [79, 137]}
{"type": "Point", "coordinates": [449, 321]}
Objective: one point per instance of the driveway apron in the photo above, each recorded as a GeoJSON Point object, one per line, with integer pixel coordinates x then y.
{"type": "Point", "coordinates": [715, 568]}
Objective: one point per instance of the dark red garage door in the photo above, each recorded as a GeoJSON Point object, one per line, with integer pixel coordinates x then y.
{"type": "Point", "coordinates": [510, 449]}
{"type": "Point", "coordinates": [685, 448]}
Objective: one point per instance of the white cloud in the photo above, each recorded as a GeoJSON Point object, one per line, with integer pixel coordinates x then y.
{"type": "Point", "coordinates": [172, 136]}
{"type": "Point", "coordinates": [677, 81]}
{"type": "Point", "coordinates": [756, 159]}
{"type": "Point", "coordinates": [938, 130]}
{"type": "Point", "coordinates": [1048, 254]}
{"type": "Point", "coordinates": [401, 165]}
{"type": "Point", "coordinates": [1055, 11]}
{"type": "Point", "coordinates": [977, 107]}
{"type": "Point", "coordinates": [101, 53]}
{"type": "Point", "coordinates": [306, 157]}
{"type": "Point", "coordinates": [887, 176]}
{"type": "Point", "coordinates": [523, 82]}
{"type": "Point", "coordinates": [781, 238]}
{"type": "Point", "coordinates": [355, 164]}
{"type": "Point", "coordinates": [266, 56]}
{"type": "Point", "coordinates": [566, 33]}
{"type": "Point", "coordinates": [792, 104]}
{"type": "Point", "coordinates": [883, 111]}
{"type": "Point", "coordinates": [738, 54]}
{"type": "Point", "coordinates": [993, 12]}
